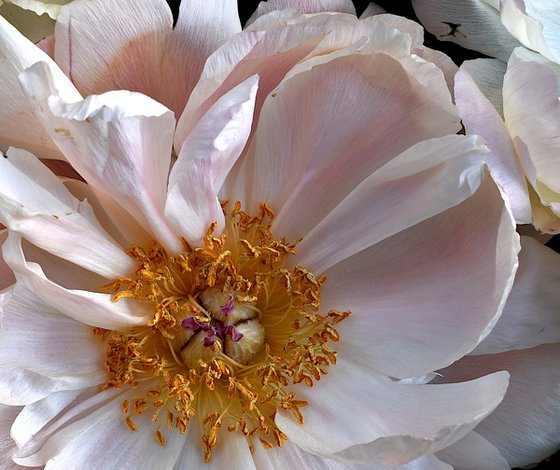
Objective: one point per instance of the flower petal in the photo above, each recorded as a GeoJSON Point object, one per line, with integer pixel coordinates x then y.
{"type": "Point", "coordinates": [92, 308]}
{"type": "Point", "coordinates": [315, 141]}
{"type": "Point", "coordinates": [120, 142]}
{"type": "Point", "coordinates": [423, 181]}
{"type": "Point", "coordinates": [98, 423]}
{"type": "Point", "coordinates": [16, 54]}
{"type": "Point", "coordinates": [473, 452]}
{"type": "Point", "coordinates": [34, 203]}
{"type": "Point", "coordinates": [530, 317]}
{"type": "Point", "coordinates": [473, 24]}
{"type": "Point", "coordinates": [526, 425]}
{"type": "Point", "coordinates": [480, 117]}
{"type": "Point", "coordinates": [50, 7]}
{"type": "Point", "coordinates": [7, 277]}
{"type": "Point", "coordinates": [372, 10]}
{"type": "Point", "coordinates": [291, 456]}
{"type": "Point", "coordinates": [206, 157]}
{"type": "Point", "coordinates": [357, 416]}
{"type": "Point", "coordinates": [44, 351]}
{"type": "Point", "coordinates": [7, 445]}
{"type": "Point", "coordinates": [534, 24]}
{"type": "Point", "coordinates": [406, 280]}
{"type": "Point", "coordinates": [307, 6]}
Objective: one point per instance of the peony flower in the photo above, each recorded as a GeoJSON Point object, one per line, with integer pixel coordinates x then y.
{"type": "Point", "coordinates": [524, 142]}
{"type": "Point", "coordinates": [280, 292]}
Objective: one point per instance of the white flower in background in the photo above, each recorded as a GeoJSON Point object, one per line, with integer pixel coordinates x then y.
{"type": "Point", "coordinates": [520, 123]}
{"type": "Point", "coordinates": [154, 325]}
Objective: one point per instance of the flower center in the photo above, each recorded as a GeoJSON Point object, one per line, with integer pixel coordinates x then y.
{"type": "Point", "coordinates": [233, 328]}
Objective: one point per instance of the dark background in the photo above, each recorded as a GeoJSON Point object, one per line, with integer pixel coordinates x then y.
{"type": "Point", "coordinates": [458, 54]}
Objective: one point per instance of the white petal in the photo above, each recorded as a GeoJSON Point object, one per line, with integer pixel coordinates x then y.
{"type": "Point", "coordinates": [474, 24]}
{"type": "Point", "coordinates": [34, 203]}
{"type": "Point", "coordinates": [480, 117]}
{"type": "Point", "coordinates": [530, 317]}
{"type": "Point", "coordinates": [206, 158]}
{"type": "Point", "coordinates": [526, 425]}
{"type": "Point", "coordinates": [534, 24]}
{"type": "Point", "coordinates": [398, 290]}
{"type": "Point", "coordinates": [7, 445]}
{"type": "Point", "coordinates": [7, 277]}
{"type": "Point", "coordinates": [44, 351]}
{"type": "Point", "coordinates": [356, 416]}
{"type": "Point", "coordinates": [120, 142]}
{"type": "Point", "coordinates": [420, 183]}
{"type": "Point", "coordinates": [98, 423]}
{"type": "Point", "coordinates": [372, 10]}
{"type": "Point", "coordinates": [473, 452]}
{"type": "Point", "coordinates": [50, 7]}
{"type": "Point", "coordinates": [92, 308]}
{"type": "Point", "coordinates": [16, 54]}
{"type": "Point", "coordinates": [316, 140]}
{"type": "Point", "coordinates": [307, 6]}
{"type": "Point", "coordinates": [291, 456]}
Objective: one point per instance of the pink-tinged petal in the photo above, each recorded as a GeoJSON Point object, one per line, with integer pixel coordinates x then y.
{"type": "Point", "coordinates": [44, 351]}
{"type": "Point", "coordinates": [92, 308]}
{"type": "Point", "coordinates": [372, 10]}
{"type": "Point", "coordinates": [35, 203]}
{"type": "Point", "coordinates": [95, 423]}
{"type": "Point", "coordinates": [120, 142]}
{"type": "Point", "coordinates": [530, 317]}
{"type": "Point", "coordinates": [473, 24]}
{"type": "Point", "coordinates": [534, 24]}
{"type": "Point", "coordinates": [423, 181]}
{"type": "Point", "coordinates": [7, 277]}
{"type": "Point", "coordinates": [16, 54]}
{"type": "Point", "coordinates": [406, 280]}
{"type": "Point", "coordinates": [480, 117]}
{"type": "Point", "coordinates": [7, 444]}
{"type": "Point", "coordinates": [130, 44]}
{"type": "Point", "coordinates": [232, 451]}
{"type": "Point", "coordinates": [316, 141]}
{"type": "Point", "coordinates": [113, 218]}
{"type": "Point", "coordinates": [526, 425]}
{"type": "Point", "coordinates": [378, 420]}
{"type": "Point", "coordinates": [532, 115]}
{"type": "Point", "coordinates": [473, 452]}
{"type": "Point", "coordinates": [206, 158]}
{"type": "Point", "coordinates": [305, 6]}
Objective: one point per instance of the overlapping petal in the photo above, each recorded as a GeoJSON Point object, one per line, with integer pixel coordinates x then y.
{"type": "Point", "coordinates": [313, 6]}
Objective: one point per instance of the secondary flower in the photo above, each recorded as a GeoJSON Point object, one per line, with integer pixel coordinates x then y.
{"type": "Point", "coordinates": [524, 142]}
{"type": "Point", "coordinates": [280, 290]}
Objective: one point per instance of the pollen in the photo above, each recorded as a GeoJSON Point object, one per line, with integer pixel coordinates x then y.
{"type": "Point", "coordinates": [235, 327]}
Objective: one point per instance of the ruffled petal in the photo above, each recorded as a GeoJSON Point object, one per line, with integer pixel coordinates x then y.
{"type": "Point", "coordinates": [532, 115]}
{"type": "Point", "coordinates": [357, 416]}
{"type": "Point", "coordinates": [206, 158]}
{"type": "Point", "coordinates": [534, 24]}
{"type": "Point", "coordinates": [473, 24]}
{"type": "Point", "coordinates": [35, 203]}
{"type": "Point", "coordinates": [7, 277]}
{"type": "Point", "coordinates": [120, 142]}
{"type": "Point", "coordinates": [307, 6]}
{"type": "Point", "coordinates": [16, 54]}
{"type": "Point", "coordinates": [92, 308]}
{"type": "Point", "coordinates": [473, 452]}
{"type": "Point", "coordinates": [423, 181]}
{"type": "Point", "coordinates": [44, 351]}
{"type": "Point", "coordinates": [315, 141]}
{"type": "Point", "coordinates": [530, 317]}
{"type": "Point", "coordinates": [480, 117]}
{"type": "Point", "coordinates": [398, 290]}
{"type": "Point", "coordinates": [526, 425]}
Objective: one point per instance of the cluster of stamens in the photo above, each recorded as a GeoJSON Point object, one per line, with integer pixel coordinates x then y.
{"type": "Point", "coordinates": [233, 327]}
